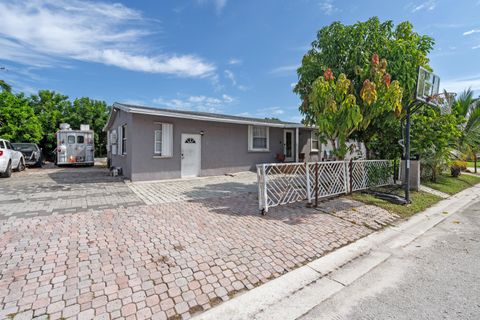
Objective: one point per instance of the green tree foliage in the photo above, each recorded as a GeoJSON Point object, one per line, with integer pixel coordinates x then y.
{"type": "Point", "coordinates": [334, 108]}
{"type": "Point", "coordinates": [18, 121]}
{"type": "Point", "coordinates": [50, 108]}
{"type": "Point", "coordinates": [468, 107]}
{"type": "Point", "coordinates": [5, 86]}
{"type": "Point", "coordinates": [92, 112]}
{"type": "Point", "coordinates": [348, 49]}
{"type": "Point", "coordinates": [38, 117]}
{"type": "Point", "coordinates": [434, 137]}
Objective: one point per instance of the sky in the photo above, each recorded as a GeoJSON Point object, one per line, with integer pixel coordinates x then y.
{"type": "Point", "coordinates": [223, 56]}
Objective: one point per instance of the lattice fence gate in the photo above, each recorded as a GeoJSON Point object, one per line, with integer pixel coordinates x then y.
{"type": "Point", "coordinates": [282, 183]}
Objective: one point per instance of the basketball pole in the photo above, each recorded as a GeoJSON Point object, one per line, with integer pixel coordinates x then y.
{"type": "Point", "coordinates": [407, 152]}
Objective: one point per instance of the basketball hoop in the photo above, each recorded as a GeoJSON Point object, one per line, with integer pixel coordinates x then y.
{"type": "Point", "coordinates": [443, 101]}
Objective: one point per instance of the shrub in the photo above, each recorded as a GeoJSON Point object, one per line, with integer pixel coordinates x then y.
{"type": "Point", "coordinates": [457, 166]}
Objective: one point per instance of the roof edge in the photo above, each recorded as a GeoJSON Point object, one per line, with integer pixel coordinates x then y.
{"type": "Point", "coordinates": [199, 117]}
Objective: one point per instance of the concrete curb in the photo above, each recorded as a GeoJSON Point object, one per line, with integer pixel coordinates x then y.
{"type": "Point", "coordinates": [291, 295]}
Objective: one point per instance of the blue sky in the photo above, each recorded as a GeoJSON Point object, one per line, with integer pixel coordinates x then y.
{"type": "Point", "coordinates": [234, 57]}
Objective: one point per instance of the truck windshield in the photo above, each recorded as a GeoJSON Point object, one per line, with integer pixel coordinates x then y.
{"type": "Point", "coordinates": [80, 139]}
{"type": "Point", "coordinates": [71, 139]}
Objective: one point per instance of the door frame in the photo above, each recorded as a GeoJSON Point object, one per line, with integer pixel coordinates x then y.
{"type": "Point", "coordinates": [292, 141]}
{"type": "Point", "coordinates": [198, 141]}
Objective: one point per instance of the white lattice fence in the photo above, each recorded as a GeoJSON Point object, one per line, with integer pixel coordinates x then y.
{"type": "Point", "coordinates": [331, 178]}
{"type": "Point", "coordinates": [371, 173]}
{"type": "Point", "coordinates": [282, 183]}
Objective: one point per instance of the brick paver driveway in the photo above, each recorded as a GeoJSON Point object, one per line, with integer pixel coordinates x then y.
{"type": "Point", "coordinates": [51, 190]}
{"type": "Point", "coordinates": [164, 260]}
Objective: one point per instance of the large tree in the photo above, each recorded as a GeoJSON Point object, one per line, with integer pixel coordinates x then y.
{"type": "Point", "coordinates": [18, 122]}
{"type": "Point", "coordinates": [92, 112]}
{"type": "Point", "coordinates": [50, 108]}
{"type": "Point", "coordinates": [334, 108]}
{"type": "Point", "coordinates": [348, 49]}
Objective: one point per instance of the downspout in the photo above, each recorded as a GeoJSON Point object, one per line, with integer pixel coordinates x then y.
{"type": "Point", "coordinates": [296, 145]}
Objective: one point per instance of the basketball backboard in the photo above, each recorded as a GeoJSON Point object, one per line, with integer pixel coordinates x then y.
{"type": "Point", "coordinates": [428, 86]}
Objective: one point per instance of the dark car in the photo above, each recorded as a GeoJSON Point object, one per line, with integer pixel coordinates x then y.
{"type": "Point", "coordinates": [31, 152]}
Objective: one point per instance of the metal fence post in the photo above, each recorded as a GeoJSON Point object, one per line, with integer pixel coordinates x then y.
{"type": "Point", "coordinates": [350, 175]}
{"type": "Point", "coordinates": [265, 195]}
{"type": "Point", "coordinates": [260, 187]}
{"type": "Point", "coordinates": [309, 194]}
{"type": "Point", "coordinates": [316, 184]}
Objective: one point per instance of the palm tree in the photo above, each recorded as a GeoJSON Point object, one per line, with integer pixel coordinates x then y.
{"type": "Point", "coordinates": [469, 107]}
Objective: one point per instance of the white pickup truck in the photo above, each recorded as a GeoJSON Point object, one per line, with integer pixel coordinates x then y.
{"type": "Point", "coordinates": [10, 159]}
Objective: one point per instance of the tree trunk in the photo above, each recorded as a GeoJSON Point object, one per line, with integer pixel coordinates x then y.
{"type": "Point", "coordinates": [475, 161]}
{"type": "Point", "coordinates": [367, 152]}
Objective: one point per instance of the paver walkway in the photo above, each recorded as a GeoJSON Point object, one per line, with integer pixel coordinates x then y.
{"type": "Point", "coordinates": [167, 260]}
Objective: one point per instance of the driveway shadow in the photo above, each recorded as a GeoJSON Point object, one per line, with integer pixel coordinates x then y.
{"type": "Point", "coordinates": [81, 175]}
{"type": "Point", "coordinates": [238, 199]}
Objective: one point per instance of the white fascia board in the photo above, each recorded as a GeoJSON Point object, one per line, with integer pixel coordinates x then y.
{"type": "Point", "coordinates": [206, 118]}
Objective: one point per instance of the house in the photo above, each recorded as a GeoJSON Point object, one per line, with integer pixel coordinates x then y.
{"type": "Point", "coordinates": [153, 144]}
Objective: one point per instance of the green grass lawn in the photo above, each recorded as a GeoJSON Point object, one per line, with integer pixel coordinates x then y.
{"type": "Point", "coordinates": [451, 185]}
{"type": "Point", "coordinates": [471, 164]}
{"type": "Point", "coordinates": [420, 202]}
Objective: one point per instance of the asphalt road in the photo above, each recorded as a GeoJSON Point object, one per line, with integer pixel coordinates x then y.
{"type": "Point", "coordinates": [437, 276]}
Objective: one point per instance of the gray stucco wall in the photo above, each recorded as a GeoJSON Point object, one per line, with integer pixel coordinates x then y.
{"type": "Point", "coordinates": [123, 161]}
{"type": "Point", "coordinates": [224, 148]}
{"type": "Point", "coordinates": [304, 141]}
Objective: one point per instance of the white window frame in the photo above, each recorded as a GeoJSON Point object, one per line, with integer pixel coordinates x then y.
{"type": "Point", "coordinates": [166, 142]}
{"type": "Point", "coordinates": [314, 137]}
{"type": "Point", "coordinates": [250, 139]}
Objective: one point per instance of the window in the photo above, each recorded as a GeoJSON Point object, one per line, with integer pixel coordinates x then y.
{"type": "Point", "coordinates": [258, 138]}
{"type": "Point", "coordinates": [2, 146]}
{"type": "Point", "coordinates": [314, 145]}
{"type": "Point", "coordinates": [124, 139]}
{"type": "Point", "coordinates": [163, 140]}
{"type": "Point", "coordinates": [71, 139]}
{"type": "Point", "coordinates": [190, 140]}
{"type": "Point", "coordinates": [158, 141]}
{"type": "Point", "coordinates": [80, 139]}
{"type": "Point", "coordinates": [9, 146]}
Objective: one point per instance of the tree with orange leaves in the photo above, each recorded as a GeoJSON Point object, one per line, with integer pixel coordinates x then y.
{"type": "Point", "coordinates": [334, 108]}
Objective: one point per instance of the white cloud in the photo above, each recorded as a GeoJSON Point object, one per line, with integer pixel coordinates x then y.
{"type": "Point", "coordinates": [231, 76]}
{"type": "Point", "coordinates": [466, 33]}
{"type": "Point", "coordinates": [284, 69]}
{"type": "Point", "coordinates": [234, 61]}
{"type": "Point", "coordinates": [47, 32]}
{"type": "Point", "coordinates": [460, 84]}
{"type": "Point", "coordinates": [218, 4]}
{"type": "Point", "coordinates": [426, 5]}
{"type": "Point", "coordinates": [476, 47]}
{"type": "Point", "coordinates": [196, 103]}
{"type": "Point", "coordinates": [327, 7]}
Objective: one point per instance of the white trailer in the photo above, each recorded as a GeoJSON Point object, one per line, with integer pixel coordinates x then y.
{"type": "Point", "coordinates": [75, 147]}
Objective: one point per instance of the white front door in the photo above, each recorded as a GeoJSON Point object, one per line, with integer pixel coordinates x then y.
{"type": "Point", "coordinates": [288, 145]}
{"type": "Point", "coordinates": [191, 155]}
